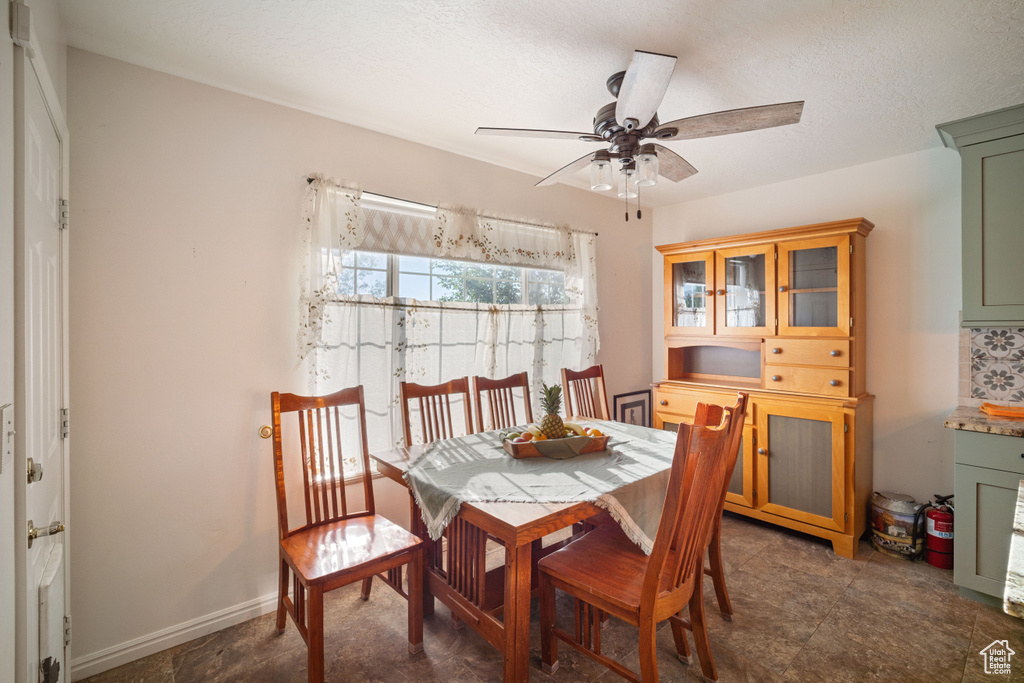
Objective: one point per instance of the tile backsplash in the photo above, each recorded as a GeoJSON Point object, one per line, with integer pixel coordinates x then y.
{"type": "Point", "coordinates": [991, 366]}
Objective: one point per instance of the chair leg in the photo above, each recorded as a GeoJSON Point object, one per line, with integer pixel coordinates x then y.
{"type": "Point", "coordinates": [315, 633]}
{"type": "Point", "coordinates": [365, 592]}
{"type": "Point", "coordinates": [548, 642]}
{"type": "Point", "coordinates": [700, 632]}
{"type": "Point", "coordinates": [416, 602]}
{"type": "Point", "coordinates": [679, 635]}
{"type": "Point", "coordinates": [648, 653]}
{"type": "Point", "coordinates": [718, 573]}
{"type": "Point", "coordinates": [282, 592]}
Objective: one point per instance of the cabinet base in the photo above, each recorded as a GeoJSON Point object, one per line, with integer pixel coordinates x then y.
{"type": "Point", "coordinates": [844, 545]}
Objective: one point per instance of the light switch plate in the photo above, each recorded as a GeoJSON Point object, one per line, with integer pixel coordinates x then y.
{"type": "Point", "coordinates": [6, 437]}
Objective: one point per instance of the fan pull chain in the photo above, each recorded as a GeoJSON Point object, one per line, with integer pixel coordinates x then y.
{"type": "Point", "coordinates": [638, 214]}
{"type": "Point", "coordinates": [627, 208]}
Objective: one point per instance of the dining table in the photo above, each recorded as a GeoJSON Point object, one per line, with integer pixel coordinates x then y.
{"type": "Point", "coordinates": [468, 489]}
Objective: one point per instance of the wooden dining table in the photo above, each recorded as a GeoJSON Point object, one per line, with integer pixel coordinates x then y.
{"type": "Point", "coordinates": [497, 603]}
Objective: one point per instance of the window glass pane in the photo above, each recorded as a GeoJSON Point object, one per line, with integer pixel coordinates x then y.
{"type": "Point", "coordinates": [508, 292]}
{"type": "Point", "coordinates": [546, 276]}
{"type": "Point", "coordinates": [366, 259]}
{"type": "Point", "coordinates": [348, 258]}
{"type": "Point", "coordinates": [446, 289]}
{"type": "Point", "coordinates": [414, 286]}
{"type": "Point", "coordinates": [480, 291]}
{"type": "Point", "coordinates": [441, 267]}
{"type": "Point", "coordinates": [540, 294]}
{"type": "Point", "coordinates": [373, 282]}
{"type": "Point", "coordinates": [413, 264]}
{"type": "Point", "coordinates": [506, 273]}
{"type": "Point", "coordinates": [478, 270]}
{"type": "Point", "coordinates": [347, 281]}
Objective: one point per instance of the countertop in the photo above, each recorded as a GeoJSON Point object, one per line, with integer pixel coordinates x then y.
{"type": "Point", "coordinates": [973, 420]}
{"type": "Point", "coordinates": [1013, 593]}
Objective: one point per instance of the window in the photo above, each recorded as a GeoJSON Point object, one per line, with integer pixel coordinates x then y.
{"type": "Point", "coordinates": [432, 279]}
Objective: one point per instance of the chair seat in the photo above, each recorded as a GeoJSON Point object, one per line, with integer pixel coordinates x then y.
{"type": "Point", "coordinates": [622, 564]}
{"type": "Point", "coordinates": [357, 546]}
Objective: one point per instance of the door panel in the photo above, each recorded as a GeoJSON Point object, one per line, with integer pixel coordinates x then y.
{"type": "Point", "coordinates": [689, 288]}
{"type": "Point", "coordinates": [814, 287]}
{"type": "Point", "coordinates": [39, 376]}
{"type": "Point", "coordinates": [745, 291]}
{"type": "Point", "coordinates": [800, 464]}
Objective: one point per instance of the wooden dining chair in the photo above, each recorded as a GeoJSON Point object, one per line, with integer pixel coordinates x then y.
{"type": "Point", "coordinates": [500, 395]}
{"type": "Point", "coordinates": [584, 393]}
{"type": "Point", "coordinates": [341, 540]}
{"type": "Point", "coordinates": [435, 408]}
{"type": "Point", "coordinates": [607, 573]}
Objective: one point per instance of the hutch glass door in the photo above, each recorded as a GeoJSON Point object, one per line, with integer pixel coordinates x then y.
{"type": "Point", "coordinates": [745, 296]}
{"type": "Point", "coordinates": [814, 287]}
{"type": "Point", "coordinates": [689, 305]}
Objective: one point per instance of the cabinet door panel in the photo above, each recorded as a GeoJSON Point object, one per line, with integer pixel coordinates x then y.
{"type": "Point", "coordinates": [993, 232]}
{"type": "Point", "coordinates": [689, 293]}
{"type": "Point", "coordinates": [814, 287]}
{"type": "Point", "coordinates": [745, 291]}
{"type": "Point", "coordinates": [985, 504]}
{"type": "Point", "coordinates": [741, 485]}
{"type": "Point", "coordinates": [800, 464]}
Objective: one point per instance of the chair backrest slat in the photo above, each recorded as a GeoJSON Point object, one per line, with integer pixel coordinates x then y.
{"type": "Point", "coordinates": [434, 405]}
{"type": "Point", "coordinates": [501, 400]}
{"type": "Point", "coordinates": [321, 452]}
{"type": "Point", "coordinates": [584, 393]}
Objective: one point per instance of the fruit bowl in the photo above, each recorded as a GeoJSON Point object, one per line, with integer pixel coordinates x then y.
{"type": "Point", "coordinates": [560, 449]}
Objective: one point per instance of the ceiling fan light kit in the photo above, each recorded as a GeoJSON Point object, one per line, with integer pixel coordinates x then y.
{"type": "Point", "coordinates": [633, 117]}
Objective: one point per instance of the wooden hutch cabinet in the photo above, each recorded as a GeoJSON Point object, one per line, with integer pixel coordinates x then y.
{"type": "Point", "coordinates": [780, 314]}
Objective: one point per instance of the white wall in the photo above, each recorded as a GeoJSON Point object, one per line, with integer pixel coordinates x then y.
{"type": "Point", "coordinates": [184, 297]}
{"type": "Point", "coordinates": [913, 292]}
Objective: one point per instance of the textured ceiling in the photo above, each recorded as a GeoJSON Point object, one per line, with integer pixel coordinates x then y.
{"type": "Point", "coordinates": [876, 75]}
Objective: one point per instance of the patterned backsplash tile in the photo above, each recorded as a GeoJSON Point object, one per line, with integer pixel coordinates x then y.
{"type": "Point", "coordinates": [996, 365]}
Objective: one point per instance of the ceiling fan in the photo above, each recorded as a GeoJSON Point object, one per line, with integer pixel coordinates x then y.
{"type": "Point", "coordinates": [633, 117]}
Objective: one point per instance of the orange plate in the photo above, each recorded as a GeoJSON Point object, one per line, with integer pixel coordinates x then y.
{"type": "Point", "coordinates": [528, 450]}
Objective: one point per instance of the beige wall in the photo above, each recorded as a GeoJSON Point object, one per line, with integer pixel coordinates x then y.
{"type": "Point", "coordinates": [913, 292]}
{"type": "Point", "coordinates": [184, 288]}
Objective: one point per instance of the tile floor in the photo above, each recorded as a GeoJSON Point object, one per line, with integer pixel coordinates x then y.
{"type": "Point", "coordinates": [801, 614]}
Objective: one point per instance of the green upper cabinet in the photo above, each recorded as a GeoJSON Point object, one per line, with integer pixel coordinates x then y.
{"type": "Point", "coordinates": [991, 148]}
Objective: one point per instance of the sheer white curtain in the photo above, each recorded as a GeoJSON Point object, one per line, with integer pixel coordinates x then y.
{"type": "Point", "coordinates": [378, 342]}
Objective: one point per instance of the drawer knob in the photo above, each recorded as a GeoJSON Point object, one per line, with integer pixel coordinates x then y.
{"type": "Point", "coordinates": [761, 451]}
{"type": "Point", "coordinates": [782, 289]}
{"type": "Point", "coordinates": [776, 350]}
{"type": "Point", "coordinates": [776, 378]}
{"type": "Point", "coordinates": [664, 402]}
{"type": "Point", "coordinates": [834, 354]}
{"type": "Point", "coordinates": [834, 383]}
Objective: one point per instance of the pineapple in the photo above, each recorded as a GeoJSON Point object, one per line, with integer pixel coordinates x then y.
{"type": "Point", "coordinates": [551, 401]}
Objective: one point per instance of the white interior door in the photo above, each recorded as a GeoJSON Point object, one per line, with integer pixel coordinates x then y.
{"type": "Point", "coordinates": [40, 390]}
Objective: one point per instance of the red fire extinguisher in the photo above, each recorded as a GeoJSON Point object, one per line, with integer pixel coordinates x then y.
{"type": "Point", "coordinates": [938, 540]}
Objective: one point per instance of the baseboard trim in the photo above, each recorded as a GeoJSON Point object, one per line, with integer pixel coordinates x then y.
{"type": "Point", "coordinates": [137, 648]}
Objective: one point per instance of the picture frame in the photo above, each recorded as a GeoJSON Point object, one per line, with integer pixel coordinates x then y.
{"type": "Point", "coordinates": [633, 408]}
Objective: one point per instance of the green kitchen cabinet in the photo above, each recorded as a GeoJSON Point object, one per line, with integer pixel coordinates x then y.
{"type": "Point", "coordinates": [987, 473]}
{"type": "Point", "coordinates": [991, 149]}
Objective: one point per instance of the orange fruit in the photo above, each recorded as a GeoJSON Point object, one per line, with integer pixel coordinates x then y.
{"type": "Point", "coordinates": [596, 432]}
{"type": "Point", "coordinates": [527, 435]}
{"type": "Point", "coordinates": [540, 438]}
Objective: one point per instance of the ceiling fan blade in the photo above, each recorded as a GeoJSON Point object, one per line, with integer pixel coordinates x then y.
{"type": "Point", "coordinates": [534, 133]}
{"type": "Point", "coordinates": [673, 166]}
{"type": "Point", "coordinates": [577, 165]}
{"type": "Point", "coordinates": [643, 88]}
{"type": "Point", "coordinates": [731, 121]}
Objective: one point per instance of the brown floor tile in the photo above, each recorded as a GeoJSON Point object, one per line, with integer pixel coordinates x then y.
{"type": "Point", "coordinates": [801, 614]}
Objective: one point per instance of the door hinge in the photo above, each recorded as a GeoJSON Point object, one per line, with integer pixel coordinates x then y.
{"type": "Point", "coordinates": [776, 256]}
{"type": "Point", "coordinates": [851, 248]}
{"type": "Point", "coordinates": [846, 517]}
{"type": "Point", "coordinates": [65, 423]}
{"type": "Point", "coordinates": [846, 428]}
{"type": "Point", "coordinates": [67, 630]}
{"type": "Point", "coordinates": [65, 210]}
{"type": "Point", "coordinates": [851, 322]}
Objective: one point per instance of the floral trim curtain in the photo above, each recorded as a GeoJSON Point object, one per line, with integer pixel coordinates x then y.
{"type": "Point", "coordinates": [378, 342]}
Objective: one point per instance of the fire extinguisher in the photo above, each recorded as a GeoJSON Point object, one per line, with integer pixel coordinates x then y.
{"type": "Point", "coordinates": [938, 539]}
